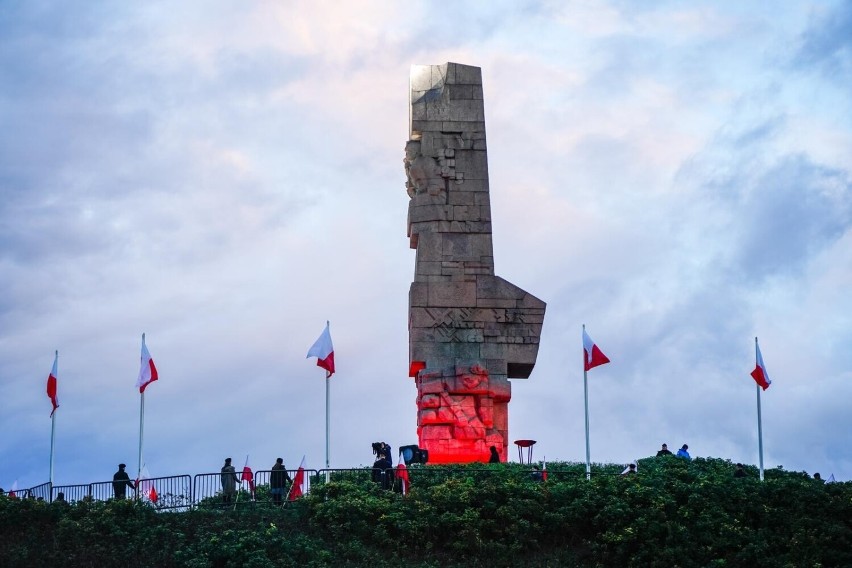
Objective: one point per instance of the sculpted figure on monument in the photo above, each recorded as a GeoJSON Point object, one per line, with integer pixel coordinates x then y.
{"type": "Point", "coordinates": [424, 173]}
{"type": "Point", "coordinates": [470, 331]}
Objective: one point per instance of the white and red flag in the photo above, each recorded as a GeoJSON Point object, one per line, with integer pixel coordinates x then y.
{"type": "Point", "coordinates": [147, 370]}
{"type": "Point", "coordinates": [323, 350]}
{"type": "Point", "coordinates": [51, 384]}
{"type": "Point", "coordinates": [402, 474]}
{"type": "Point", "coordinates": [13, 492]}
{"type": "Point", "coordinates": [298, 487]}
{"type": "Point", "coordinates": [592, 355]}
{"type": "Point", "coordinates": [760, 374]}
{"type": "Point", "coordinates": [145, 487]}
{"type": "Point", "coordinates": [544, 470]}
{"type": "Point", "coordinates": [248, 476]}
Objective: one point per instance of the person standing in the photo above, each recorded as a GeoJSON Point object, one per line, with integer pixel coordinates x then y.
{"type": "Point", "coordinates": [229, 481]}
{"type": "Point", "coordinates": [120, 482]}
{"type": "Point", "coordinates": [664, 451]}
{"type": "Point", "coordinates": [683, 453]}
{"type": "Point", "coordinates": [278, 480]}
{"type": "Point", "coordinates": [495, 456]}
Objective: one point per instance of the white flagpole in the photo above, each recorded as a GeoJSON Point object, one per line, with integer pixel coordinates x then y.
{"type": "Point", "coordinates": [759, 425]}
{"type": "Point", "coordinates": [327, 413]}
{"type": "Point", "coordinates": [141, 430]}
{"type": "Point", "coordinates": [141, 422]}
{"type": "Point", "coordinates": [53, 428]}
{"type": "Point", "coordinates": [327, 418]}
{"type": "Point", "coordinates": [586, 400]}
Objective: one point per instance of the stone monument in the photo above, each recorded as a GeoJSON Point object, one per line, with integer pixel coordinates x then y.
{"type": "Point", "coordinates": [469, 330]}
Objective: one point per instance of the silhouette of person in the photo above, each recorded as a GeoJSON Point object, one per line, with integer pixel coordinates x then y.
{"type": "Point", "coordinates": [631, 469]}
{"type": "Point", "coordinates": [664, 451]}
{"type": "Point", "coordinates": [683, 453]}
{"type": "Point", "coordinates": [536, 474]}
{"type": "Point", "coordinates": [278, 480]}
{"type": "Point", "coordinates": [229, 481]}
{"type": "Point", "coordinates": [382, 472]}
{"type": "Point", "coordinates": [739, 472]}
{"type": "Point", "coordinates": [120, 482]}
{"type": "Point", "coordinates": [495, 457]}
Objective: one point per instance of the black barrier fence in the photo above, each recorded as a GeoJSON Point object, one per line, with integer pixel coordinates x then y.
{"type": "Point", "coordinates": [215, 491]}
{"type": "Point", "coordinates": [172, 493]}
{"type": "Point", "coordinates": [70, 493]}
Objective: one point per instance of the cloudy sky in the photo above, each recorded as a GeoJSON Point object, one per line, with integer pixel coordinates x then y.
{"type": "Point", "coordinates": [227, 176]}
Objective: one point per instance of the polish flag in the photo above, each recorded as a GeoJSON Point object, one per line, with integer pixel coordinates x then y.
{"type": "Point", "coordinates": [248, 476]}
{"type": "Point", "coordinates": [544, 470]}
{"type": "Point", "coordinates": [13, 492]}
{"type": "Point", "coordinates": [298, 487]}
{"type": "Point", "coordinates": [592, 355]}
{"type": "Point", "coordinates": [402, 474]}
{"type": "Point", "coordinates": [147, 370]}
{"type": "Point", "coordinates": [51, 385]}
{"type": "Point", "coordinates": [144, 486]}
{"type": "Point", "coordinates": [760, 375]}
{"type": "Point", "coordinates": [323, 350]}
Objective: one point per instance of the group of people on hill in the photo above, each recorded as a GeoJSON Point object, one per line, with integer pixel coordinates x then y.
{"type": "Point", "coordinates": [683, 452]}
{"type": "Point", "coordinates": [279, 479]}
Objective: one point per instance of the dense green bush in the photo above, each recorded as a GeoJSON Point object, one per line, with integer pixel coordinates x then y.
{"type": "Point", "coordinates": [672, 513]}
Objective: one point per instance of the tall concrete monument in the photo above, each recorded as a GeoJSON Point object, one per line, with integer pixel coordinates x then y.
{"type": "Point", "coordinates": [469, 330]}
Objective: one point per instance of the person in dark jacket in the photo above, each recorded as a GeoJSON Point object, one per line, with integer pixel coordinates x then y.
{"type": "Point", "coordinates": [229, 481]}
{"type": "Point", "coordinates": [383, 472]}
{"type": "Point", "coordinates": [279, 479]}
{"type": "Point", "coordinates": [120, 482]}
{"type": "Point", "coordinates": [664, 451]}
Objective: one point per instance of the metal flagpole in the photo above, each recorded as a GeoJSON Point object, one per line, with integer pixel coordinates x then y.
{"type": "Point", "coordinates": [586, 400]}
{"type": "Point", "coordinates": [327, 418]}
{"type": "Point", "coordinates": [141, 427]}
{"type": "Point", "coordinates": [759, 425]}
{"type": "Point", "coordinates": [53, 430]}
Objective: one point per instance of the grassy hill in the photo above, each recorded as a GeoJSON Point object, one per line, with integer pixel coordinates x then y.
{"type": "Point", "coordinates": [672, 513]}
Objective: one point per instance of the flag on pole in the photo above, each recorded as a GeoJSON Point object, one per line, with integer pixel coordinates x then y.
{"type": "Point", "coordinates": [147, 370]}
{"type": "Point", "coordinates": [402, 474]}
{"type": "Point", "coordinates": [145, 487]}
{"type": "Point", "coordinates": [760, 375]}
{"type": "Point", "coordinates": [298, 487]}
{"type": "Point", "coordinates": [51, 384]}
{"type": "Point", "coordinates": [323, 350]}
{"type": "Point", "coordinates": [248, 476]}
{"type": "Point", "coordinates": [13, 492]}
{"type": "Point", "coordinates": [544, 470]}
{"type": "Point", "coordinates": [592, 355]}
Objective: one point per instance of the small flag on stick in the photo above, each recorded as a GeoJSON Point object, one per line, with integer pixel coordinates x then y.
{"type": "Point", "coordinates": [298, 487]}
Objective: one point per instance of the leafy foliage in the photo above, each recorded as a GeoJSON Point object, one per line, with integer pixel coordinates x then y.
{"type": "Point", "coordinates": [672, 513]}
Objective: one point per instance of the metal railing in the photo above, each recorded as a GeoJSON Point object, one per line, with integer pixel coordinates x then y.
{"type": "Point", "coordinates": [206, 490]}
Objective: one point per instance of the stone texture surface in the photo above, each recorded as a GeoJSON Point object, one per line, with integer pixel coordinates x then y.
{"type": "Point", "coordinates": [470, 331]}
